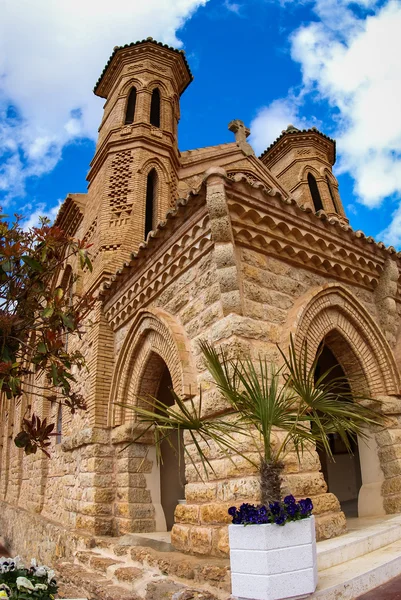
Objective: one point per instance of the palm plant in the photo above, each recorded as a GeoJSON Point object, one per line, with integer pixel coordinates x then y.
{"type": "Point", "coordinates": [289, 408]}
{"type": "Point", "coordinates": [290, 400]}
{"type": "Point", "coordinates": [164, 421]}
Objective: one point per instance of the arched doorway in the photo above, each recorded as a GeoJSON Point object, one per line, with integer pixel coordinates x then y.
{"type": "Point", "coordinates": [343, 475]}
{"type": "Point", "coordinates": [332, 315]}
{"type": "Point", "coordinates": [172, 464]}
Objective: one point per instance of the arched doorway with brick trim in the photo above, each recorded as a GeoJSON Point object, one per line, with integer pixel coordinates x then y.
{"type": "Point", "coordinates": [333, 318]}
{"type": "Point", "coordinates": [155, 358]}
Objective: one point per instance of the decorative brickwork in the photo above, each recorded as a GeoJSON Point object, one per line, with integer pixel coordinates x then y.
{"type": "Point", "coordinates": [153, 332]}
{"type": "Point", "coordinates": [332, 313]}
{"type": "Point", "coordinates": [119, 189]}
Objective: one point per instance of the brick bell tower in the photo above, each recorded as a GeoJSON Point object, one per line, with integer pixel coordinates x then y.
{"type": "Point", "coordinates": [303, 161]}
{"type": "Point", "coordinates": [133, 175]}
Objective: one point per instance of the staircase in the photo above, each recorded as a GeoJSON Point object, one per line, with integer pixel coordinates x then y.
{"type": "Point", "coordinates": [360, 560]}
{"type": "Point", "coordinates": [127, 571]}
{"type": "Point", "coordinates": [137, 567]}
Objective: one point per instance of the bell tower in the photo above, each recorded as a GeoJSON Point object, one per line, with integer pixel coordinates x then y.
{"type": "Point", "coordinates": [303, 161]}
{"type": "Point", "coordinates": [133, 175]}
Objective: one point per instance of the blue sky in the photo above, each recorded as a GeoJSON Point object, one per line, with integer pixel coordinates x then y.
{"type": "Point", "coordinates": [332, 64]}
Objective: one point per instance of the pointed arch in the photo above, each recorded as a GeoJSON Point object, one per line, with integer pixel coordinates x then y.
{"type": "Point", "coordinates": [333, 314]}
{"type": "Point", "coordinates": [130, 107]}
{"type": "Point", "coordinates": [155, 105]}
{"type": "Point", "coordinates": [152, 185]}
{"type": "Point", "coordinates": [153, 335]}
{"type": "Point", "coordinates": [303, 176]}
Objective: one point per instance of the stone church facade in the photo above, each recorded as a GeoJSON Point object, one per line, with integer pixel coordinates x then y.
{"type": "Point", "coordinates": [217, 244]}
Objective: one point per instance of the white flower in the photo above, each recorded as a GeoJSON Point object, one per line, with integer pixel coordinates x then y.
{"type": "Point", "coordinates": [19, 563]}
{"type": "Point", "coordinates": [34, 563]}
{"type": "Point", "coordinates": [23, 582]}
{"type": "Point", "coordinates": [50, 575]}
{"type": "Point", "coordinates": [40, 586]}
{"type": "Point", "coordinates": [41, 572]}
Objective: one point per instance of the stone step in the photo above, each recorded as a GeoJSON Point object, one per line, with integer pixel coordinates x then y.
{"type": "Point", "coordinates": [348, 580]}
{"type": "Point", "coordinates": [157, 541]}
{"type": "Point", "coordinates": [77, 581]}
{"type": "Point", "coordinates": [364, 536]}
{"type": "Point", "coordinates": [136, 584]}
{"type": "Point", "coordinates": [97, 562]}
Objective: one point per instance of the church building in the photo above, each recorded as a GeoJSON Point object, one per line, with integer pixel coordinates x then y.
{"type": "Point", "coordinates": [211, 244]}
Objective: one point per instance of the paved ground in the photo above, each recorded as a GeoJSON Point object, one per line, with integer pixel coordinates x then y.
{"type": "Point", "coordinates": [388, 591]}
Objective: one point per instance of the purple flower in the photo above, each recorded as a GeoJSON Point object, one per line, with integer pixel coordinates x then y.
{"type": "Point", "coordinates": [289, 499]}
{"type": "Point", "coordinates": [275, 508]}
{"type": "Point", "coordinates": [277, 512]}
{"type": "Point", "coordinates": [292, 509]}
{"type": "Point", "coordinates": [280, 518]}
{"type": "Point", "coordinates": [306, 506]}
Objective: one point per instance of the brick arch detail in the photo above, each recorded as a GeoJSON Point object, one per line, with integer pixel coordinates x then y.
{"type": "Point", "coordinates": [155, 163]}
{"type": "Point", "coordinates": [133, 82]}
{"type": "Point", "coordinates": [333, 313]}
{"type": "Point", "coordinates": [154, 335]}
{"type": "Point", "coordinates": [303, 176]}
{"type": "Point", "coordinates": [157, 83]}
{"type": "Point", "coordinates": [324, 171]}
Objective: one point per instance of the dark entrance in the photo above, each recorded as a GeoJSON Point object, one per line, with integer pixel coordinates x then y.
{"type": "Point", "coordinates": [343, 477]}
{"type": "Point", "coordinates": [172, 468]}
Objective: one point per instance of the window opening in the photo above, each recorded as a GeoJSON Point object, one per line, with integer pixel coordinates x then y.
{"type": "Point", "coordinates": [151, 186]}
{"type": "Point", "coordinates": [155, 108]}
{"type": "Point", "coordinates": [130, 113]}
{"type": "Point", "coordinates": [314, 190]}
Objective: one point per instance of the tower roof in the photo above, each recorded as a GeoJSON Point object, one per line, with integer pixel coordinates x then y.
{"type": "Point", "coordinates": [149, 40]}
{"type": "Point", "coordinates": [296, 133]}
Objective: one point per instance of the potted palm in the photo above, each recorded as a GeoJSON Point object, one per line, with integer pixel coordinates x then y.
{"type": "Point", "coordinates": [272, 546]}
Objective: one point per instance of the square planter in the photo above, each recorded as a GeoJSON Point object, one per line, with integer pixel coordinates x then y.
{"type": "Point", "coordinates": [273, 562]}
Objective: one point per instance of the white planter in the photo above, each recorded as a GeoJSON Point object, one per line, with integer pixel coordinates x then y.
{"type": "Point", "coordinates": [273, 562]}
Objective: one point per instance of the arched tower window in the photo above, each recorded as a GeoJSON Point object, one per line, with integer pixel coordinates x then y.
{"type": "Point", "coordinates": [151, 194]}
{"type": "Point", "coordinates": [332, 195]}
{"type": "Point", "coordinates": [130, 112]}
{"type": "Point", "coordinates": [314, 190]}
{"type": "Point", "coordinates": [66, 284]}
{"type": "Point", "coordinates": [59, 425]}
{"type": "Point", "coordinates": [155, 108]}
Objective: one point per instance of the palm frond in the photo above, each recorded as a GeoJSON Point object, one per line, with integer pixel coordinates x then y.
{"type": "Point", "coordinates": [328, 401]}
{"type": "Point", "coordinates": [261, 400]}
{"type": "Point", "coordinates": [186, 415]}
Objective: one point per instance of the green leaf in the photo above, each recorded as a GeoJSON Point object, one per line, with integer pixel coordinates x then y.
{"type": "Point", "coordinates": [68, 321]}
{"type": "Point", "coordinates": [33, 263]}
{"type": "Point", "coordinates": [42, 348]}
{"type": "Point", "coordinates": [22, 439]}
{"type": "Point", "coordinates": [48, 312]}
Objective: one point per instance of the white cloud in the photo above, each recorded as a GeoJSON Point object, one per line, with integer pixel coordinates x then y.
{"type": "Point", "coordinates": [270, 122]}
{"type": "Point", "coordinates": [51, 55]}
{"type": "Point", "coordinates": [350, 57]}
{"type": "Point", "coordinates": [392, 234]}
{"type": "Point", "coordinates": [41, 210]}
{"type": "Point", "coordinates": [233, 6]}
